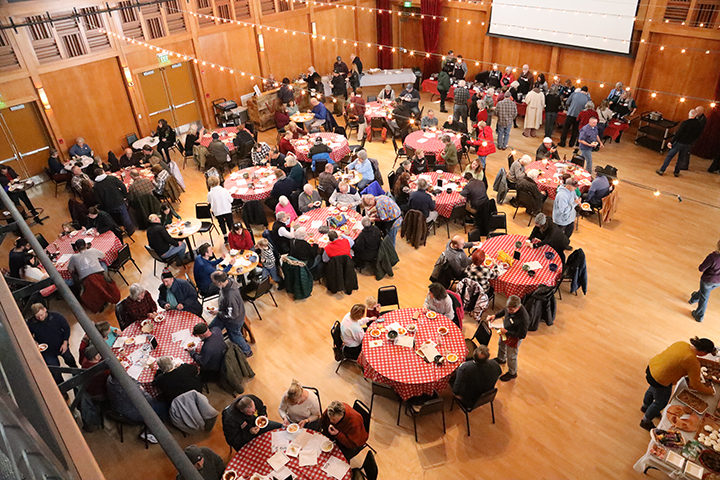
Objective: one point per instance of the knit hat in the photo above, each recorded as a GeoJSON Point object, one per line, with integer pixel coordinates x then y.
{"type": "Point", "coordinates": [193, 453]}
{"type": "Point", "coordinates": [166, 273]}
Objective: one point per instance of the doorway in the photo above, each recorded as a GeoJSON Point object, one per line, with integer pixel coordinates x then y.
{"type": "Point", "coordinates": [24, 140]}
{"type": "Point", "coordinates": [169, 93]}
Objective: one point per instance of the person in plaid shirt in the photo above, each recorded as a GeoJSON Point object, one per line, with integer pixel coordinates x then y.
{"type": "Point", "coordinates": [506, 111]}
{"type": "Point", "coordinates": [140, 186]}
{"type": "Point", "coordinates": [139, 305]}
{"type": "Point", "coordinates": [479, 272]}
{"type": "Point", "coordinates": [77, 178]}
{"type": "Point", "coordinates": [584, 117]}
{"type": "Point", "coordinates": [462, 95]}
{"type": "Point", "coordinates": [260, 153]}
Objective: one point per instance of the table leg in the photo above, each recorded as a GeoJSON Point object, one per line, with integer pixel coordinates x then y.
{"type": "Point", "coordinates": [190, 248]}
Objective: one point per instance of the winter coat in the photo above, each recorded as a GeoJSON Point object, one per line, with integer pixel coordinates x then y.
{"type": "Point", "coordinates": [473, 296]}
{"type": "Point", "coordinates": [387, 257]}
{"type": "Point", "coordinates": [190, 411]}
{"type": "Point", "coordinates": [298, 278]}
{"type": "Point", "coordinates": [236, 368]}
{"type": "Point", "coordinates": [576, 270]}
{"type": "Point", "coordinates": [540, 305]}
{"type": "Point", "coordinates": [500, 186]}
{"type": "Point", "coordinates": [414, 228]}
{"type": "Point", "coordinates": [340, 275]}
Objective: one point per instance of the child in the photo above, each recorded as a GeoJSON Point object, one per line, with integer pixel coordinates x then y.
{"type": "Point", "coordinates": [167, 213]}
{"type": "Point", "coordinates": [267, 260]}
{"type": "Point", "coordinates": [240, 238]}
{"type": "Point", "coordinates": [373, 307]}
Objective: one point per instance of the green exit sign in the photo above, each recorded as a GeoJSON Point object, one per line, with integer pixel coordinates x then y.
{"type": "Point", "coordinates": [163, 58]}
{"type": "Point", "coordinates": [407, 4]}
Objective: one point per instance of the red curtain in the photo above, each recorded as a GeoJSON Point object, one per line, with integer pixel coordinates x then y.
{"type": "Point", "coordinates": [384, 34]}
{"type": "Point", "coordinates": [431, 34]}
{"type": "Point", "coordinates": [708, 145]}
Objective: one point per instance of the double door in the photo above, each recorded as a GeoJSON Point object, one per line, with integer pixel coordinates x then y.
{"type": "Point", "coordinates": [169, 93]}
{"type": "Point", "coordinates": [24, 140]}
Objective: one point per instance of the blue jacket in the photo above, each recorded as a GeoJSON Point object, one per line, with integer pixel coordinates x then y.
{"type": "Point", "coordinates": [185, 294]}
{"type": "Point", "coordinates": [576, 102]}
{"type": "Point", "coordinates": [321, 113]}
{"type": "Point", "coordinates": [365, 168]}
{"type": "Point", "coordinates": [564, 208]}
{"type": "Point", "coordinates": [203, 269]}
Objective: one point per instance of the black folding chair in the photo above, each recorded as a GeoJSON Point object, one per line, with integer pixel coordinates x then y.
{"type": "Point", "coordinates": [429, 407]}
{"type": "Point", "coordinates": [124, 256]}
{"type": "Point", "coordinates": [484, 399]}
{"type": "Point", "coordinates": [264, 287]}
{"type": "Point", "coordinates": [364, 411]}
{"type": "Point", "coordinates": [369, 469]}
{"type": "Point", "coordinates": [387, 296]}
{"type": "Point", "coordinates": [386, 391]}
{"type": "Point", "coordinates": [524, 199]}
{"type": "Point", "coordinates": [338, 347]}
{"type": "Point", "coordinates": [203, 211]}
{"type": "Point", "coordinates": [157, 258]}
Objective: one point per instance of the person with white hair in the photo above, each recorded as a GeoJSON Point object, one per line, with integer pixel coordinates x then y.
{"type": "Point", "coordinates": [282, 232]}
{"type": "Point", "coordinates": [81, 149]}
{"type": "Point", "coordinates": [172, 380]}
{"type": "Point", "coordinates": [220, 201]}
{"type": "Point", "coordinates": [547, 233]}
{"type": "Point", "coordinates": [535, 101]}
{"type": "Point", "coordinates": [507, 77]}
{"type": "Point", "coordinates": [384, 212]}
{"type": "Point", "coordinates": [564, 212]}
{"type": "Point", "coordinates": [462, 96]}
{"type": "Point", "coordinates": [309, 199]}
{"type": "Point", "coordinates": [192, 138]}
{"type": "Point", "coordinates": [285, 206]}
{"type": "Point", "coordinates": [342, 197]}
{"type": "Point", "coordinates": [314, 81]}
{"type": "Point", "coordinates": [681, 143]}
{"type": "Point", "coordinates": [302, 250]}
{"type": "Point", "coordinates": [616, 92]}
{"type": "Point", "coordinates": [527, 185]}
{"type": "Point", "coordinates": [526, 80]}
{"type": "Point", "coordinates": [387, 93]}
{"type": "Point", "coordinates": [294, 169]}
{"type": "Point", "coordinates": [423, 201]}
{"type": "Point", "coordinates": [517, 169]}
{"type": "Point", "coordinates": [139, 305]}
{"type": "Point", "coordinates": [363, 166]}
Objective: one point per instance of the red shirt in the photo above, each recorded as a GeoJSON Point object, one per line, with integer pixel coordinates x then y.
{"type": "Point", "coordinates": [351, 429]}
{"type": "Point", "coordinates": [338, 247]}
{"type": "Point", "coordinates": [242, 241]}
{"type": "Point", "coordinates": [286, 146]}
{"type": "Point", "coordinates": [585, 116]}
{"type": "Point", "coordinates": [484, 135]}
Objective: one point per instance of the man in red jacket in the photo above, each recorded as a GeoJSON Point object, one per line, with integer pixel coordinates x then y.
{"type": "Point", "coordinates": [339, 245]}
{"type": "Point", "coordinates": [345, 425]}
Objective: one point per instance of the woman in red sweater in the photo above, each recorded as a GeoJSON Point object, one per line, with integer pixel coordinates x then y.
{"type": "Point", "coordinates": [484, 143]}
{"type": "Point", "coordinates": [345, 425]}
{"type": "Point", "coordinates": [240, 238]}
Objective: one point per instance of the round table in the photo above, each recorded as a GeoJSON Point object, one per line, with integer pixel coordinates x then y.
{"type": "Point", "coordinates": [243, 263]}
{"type": "Point", "coordinates": [180, 231]}
{"type": "Point", "coordinates": [403, 369]}
{"type": "Point", "coordinates": [238, 186]}
{"type": "Point", "coordinates": [84, 160]}
{"type": "Point", "coordinates": [174, 321]}
{"type": "Point", "coordinates": [107, 243]}
{"type": "Point", "coordinates": [315, 218]}
{"type": "Point", "coordinates": [444, 202]}
{"type": "Point", "coordinates": [338, 143]}
{"type": "Point", "coordinates": [352, 177]}
{"type": "Point", "coordinates": [549, 178]}
{"type": "Point", "coordinates": [377, 109]}
{"type": "Point", "coordinates": [140, 143]}
{"type": "Point", "coordinates": [252, 458]}
{"type": "Point", "coordinates": [227, 134]}
{"type": "Point", "coordinates": [516, 281]}
{"type": "Point", "coordinates": [124, 175]}
{"type": "Point", "coordinates": [302, 117]}
{"type": "Point", "coordinates": [429, 142]}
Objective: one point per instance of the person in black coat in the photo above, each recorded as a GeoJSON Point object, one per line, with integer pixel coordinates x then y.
{"type": "Point", "coordinates": [7, 177]}
{"type": "Point", "coordinates": [367, 244]}
{"type": "Point", "coordinates": [212, 352]}
{"type": "Point", "coordinates": [110, 192]}
{"type": "Point", "coordinates": [527, 185]}
{"type": "Point", "coordinates": [52, 330]}
{"type": "Point", "coordinates": [184, 296]}
{"type": "Point", "coordinates": [239, 421]}
{"type": "Point", "coordinates": [283, 186]}
{"type": "Point", "coordinates": [57, 169]}
{"type": "Point", "coordinates": [475, 377]}
{"type": "Point", "coordinates": [161, 241]}
{"type": "Point", "coordinates": [314, 81]}
{"type": "Point", "coordinates": [286, 93]}
{"type": "Point", "coordinates": [102, 222]}
{"type": "Point", "coordinates": [685, 136]}
{"type": "Point", "coordinates": [549, 234]}
{"type": "Point", "coordinates": [173, 381]}
{"type": "Point", "coordinates": [131, 159]}
{"type": "Point", "coordinates": [166, 134]}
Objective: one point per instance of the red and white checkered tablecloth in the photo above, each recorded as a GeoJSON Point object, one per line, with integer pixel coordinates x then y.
{"type": "Point", "coordinates": [174, 321]}
{"type": "Point", "coordinates": [337, 142]}
{"type": "Point", "coordinates": [320, 215]}
{"type": "Point", "coordinates": [227, 138]}
{"type": "Point", "coordinates": [444, 202]}
{"type": "Point", "coordinates": [107, 243]}
{"type": "Point", "coordinates": [429, 142]}
{"type": "Point", "coordinates": [376, 109]}
{"type": "Point", "coordinates": [402, 368]}
{"type": "Point", "coordinates": [252, 458]}
{"type": "Point", "coordinates": [549, 179]}
{"type": "Point", "coordinates": [238, 186]}
{"type": "Point", "coordinates": [516, 281]}
{"type": "Point", "coordinates": [124, 175]}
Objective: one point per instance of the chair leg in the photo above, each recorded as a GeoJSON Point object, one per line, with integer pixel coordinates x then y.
{"type": "Point", "coordinates": [147, 444]}
{"type": "Point", "coordinates": [121, 276]}
{"type": "Point", "coordinates": [338, 367]}
{"type": "Point", "coordinates": [372, 399]}
{"type": "Point", "coordinates": [516, 209]}
{"type": "Point", "coordinates": [452, 404]}
{"type": "Point", "coordinates": [273, 298]}
{"type": "Point", "coordinates": [138, 268]}
{"type": "Point", "coordinates": [415, 427]}
{"type": "Point", "coordinates": [399, 410]}
{"type": "Point", "coordinates": [467, 419]}
{"type": "Point", "coordinates": [120, 431]}
{"type": "Point", "coordinates": [256, 310]}
{"type": "Point", "coordinates": [492, 409]}
{"type": "Point", "coordinates": [443, 416]}
{"type": "Point", "coordinates": [155, 267]}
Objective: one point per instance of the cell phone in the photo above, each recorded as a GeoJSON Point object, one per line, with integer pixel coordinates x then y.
{"type": "Point", "coordinates": [153, 341]}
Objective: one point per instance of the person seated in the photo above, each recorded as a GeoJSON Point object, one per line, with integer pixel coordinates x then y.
{"type": "Point", "coordinates": [173, 380]}
{"type": "Point", "coordinates": [23, 264]}
{"type": "Point", "coordinates": [476, 169]}
{"type": "Point", "coordinates": [342, 424]}
{"type": "Point", "coordinates": [327, 181]}
{"type": "Point", "coordinates": [53, 330]}
{"type": "Point", "coordinates": [342, 198]}
{"type": "Point", "coordinates": [282, 232]}
{"type": "Point", "coordinates": [131, 159]}
{"type": "Point", "coordinates": [309, 199]}
{"type": "Point", "coordinates": [401, 191]}
{"type": "Point", "coordinates": [140, 186]}
{"type": "Point", "coordinates": [295, 170]}
{"type": "Point", "coordinates": [238, 421]}
{"type": "Point", "coordinates": [284, 206]}
{"type": "Point", "coordinates": [178, 294]}
{"type": "Point", "coordinates": [109, 334]}
{"type": "Point", "coordinates": [260, 153]}
{"type": "Point", "coordinates": [292, 108]}
{"type": "Point", "coordinates": [283, 186]}
{"type": "Point", "coordinates": [240, 238]}
{"type": "Point", "coordinates": [211, 356]}
{"type": "Point", "coordinates": [424, 202]}
{"type": "Point", "coordinates": [286, 145]}
{"type": "Point", "coordinates": [8, 177]}
{"type": "Point", "coordinates": [478, 272]}
{"type": "Point", "coordinates": [121, 403]}
{"type": "Point", "coordinates": [296, 131]}
{"type": "Point", "coordinates": [367, 244]}
{"type": "Point", "coordinates": [455, 254]}
{"type": "Point", "coordinates": [474, 192]}
{"type": "Point", "coordinates": [475, 377]}
{"type": "Point", "coordinates": [387, 93]}
{"type": "Point", "coordinates": [97, 386]}
{"type": "Point", "coordinates": [338, 246]}
{"type": "Point", "coordinates": [419, 163]}
{"type": "Point", "coordinates": [405, 166]}
{"type": "Point", "coordinates": [301, 406]}
{"type": "Point", "coordinates": [56, 168]}
{"type": "Point", "coordinates": [161, 178]}
{"type": "Point", "coordinates": [547, 150]}
{"type": "Point", "coordinates": [319, 148]}
{"type": "Point", "coordinates": [76, 181]}
{"type": "Point", "coordinates": [429, 120]}
{"type": "Point", "coordinates": [363, 166]}
{"type": "Point", "coordinates": [218, 153]}
{"type": "Point", "coordinates": [276, 159]}
{"type": "Point", "coordinates": [302, 250]}
{"type": "Point", "coordinates": [282, 118]}
{"type": "Point", "coordinates": [411, 97]}
{"type": "Point", "coordinates": [102, 222]}
{"type": "Point", "coordinates": [139, 305]}
{"type": "Point", "coordinates": [599, 189]}
{"type": "Point", "coordinates": [153, 157]}
{"type": "Point", "coordinates": [322, 115]}
{"type": "Point", "coordinates": [81, 149]}
{"type": "Point", "coordinates": [401, 115]}
{"type": "Point", "coordinates": [517, 170]}
{"type": "Point", "coordinates": [192, 139]}
{"type": "Point", "coordinates": [160, 240]}
{"type": "Point", "coordinates": [208, 463]}
{"type": "Point", "coordinates": [86, 267]}
{"type": "Point", "coordinates": [438, 300]}
{"type": "Point", "coordinates": [205, 265]}
{"type": "Point", "coordinates": [549, 234]}
{"type": "Point", "coordinates": [168, 214]}
{"type": "Point", "coordinates": [352, 330]}
{"type": "Point", "coordinates": [451, 124]}
{"type": "Point", "coordinates": [528, 185]}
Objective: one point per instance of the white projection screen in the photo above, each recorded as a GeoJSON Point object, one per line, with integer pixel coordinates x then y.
{"type": "Point", "coordinates": [605, 25]}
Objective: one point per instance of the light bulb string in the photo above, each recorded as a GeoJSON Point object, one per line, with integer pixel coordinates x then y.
{"type": "Point", "coordinates": [639, 4]}
{"type": "Point", "coordinates": [394, 49]}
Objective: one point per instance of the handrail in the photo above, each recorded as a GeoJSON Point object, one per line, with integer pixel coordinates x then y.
{"type": "Point", "coordinates": [155, 425]}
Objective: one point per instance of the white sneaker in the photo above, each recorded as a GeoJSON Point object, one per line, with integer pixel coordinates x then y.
{"type": "Point", "coordinates": [150, 437]}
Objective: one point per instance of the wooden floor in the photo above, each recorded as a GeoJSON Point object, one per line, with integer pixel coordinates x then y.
{"type": "Point", "coordinates": [573, 411]}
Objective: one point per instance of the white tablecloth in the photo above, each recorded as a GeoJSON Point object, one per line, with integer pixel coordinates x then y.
{"type": "Point", "coordinates": [388, 77]}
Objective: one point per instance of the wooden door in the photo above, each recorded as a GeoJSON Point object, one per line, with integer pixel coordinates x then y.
{"type": "Point", "coordinates": [28, 134]}
{"type": "Point", "coordinates": [182, 94]}
{"type": "Point", "coordinates": [7, 152]}
{"type": "Point", "coordinates": [156, 98]}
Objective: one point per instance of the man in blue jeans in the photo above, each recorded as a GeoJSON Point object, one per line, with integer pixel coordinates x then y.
{"type": "Point", "coordinates": [588, 139]}
{"type": "Point", "coordinates": [709, 281]}
{"type": "Point", "coordinates": [688, 131]}
{"type": "Point", "coordinates": [506, 111]}
{"type": "Point", "coordinates": [231, 310]}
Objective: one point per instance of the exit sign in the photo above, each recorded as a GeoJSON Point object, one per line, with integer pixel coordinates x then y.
{"type": "Point", "coordinates": [163, 58]}
{"type": "Point", "coordinates": [407, 4]}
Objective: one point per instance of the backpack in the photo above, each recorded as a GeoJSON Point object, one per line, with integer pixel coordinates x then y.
{"type": "Point", "coordinates": [90, 412]}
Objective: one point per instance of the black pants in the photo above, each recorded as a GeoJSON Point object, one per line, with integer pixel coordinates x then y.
{"type": "Point", "coordinates": [224, 220]}
{"type": "Point", "coordinates": [715, 165]}
{"type": "Point", "coordinates": [210, 291]}
{"type": "Point", "coordinates": [164, 149]}
{"type": "Point", "coordinates": [21, 196]}
{"type": "Point", "coordinates": [443, 97]}
{"type": "Point", "coordinates": [568, 229]}
{"type": "Point", "coordinates": [570, 123]}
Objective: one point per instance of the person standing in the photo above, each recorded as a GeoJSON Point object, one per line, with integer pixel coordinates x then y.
{"type": "Point", "coordinates": [552, 107]}
{"type": "Point", "coordinates": [443, 87]}
{"type": "Point", "coordinates": [709, 281]}
{"type": "Point", "coordinates": [564, 212]}
{"type": "Point", "coordinates": [588, 139]}
{"type": "Point", "coordinates": [515, 327]}
{"type": "Point", "coordinates": [535, 101]}
{"type": "Point", "coordinates": [462, 95]}
{"type": "Point", "coordinates": [575, 104]}
{"type": "Point", "coordinates": [506, 111]}
{"type": "Point", "coordinates": [668, 367]}
{"type": "Point", "coordinates": [221, 202]}
{"type": "Point", "coordinates": [111, 193]}
{"type": "Point", "coordinates": [681, 143]}
{"type": "Point", "coordinates": [231, 310]}
{"type": "Point", "coordinates": [52, 330]}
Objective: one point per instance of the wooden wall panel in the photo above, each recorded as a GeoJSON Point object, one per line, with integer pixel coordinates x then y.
{"type": "Point", "coordinates": [90, 101]}
{"type": "Point", "coordinates": [367, 32]}
{"type": "Point", "coordinates": [463, 39]}
{"type": "Point", "coordinates": [408, 33]}
{"type": "Point", "coordinates": [140, 59]}
{"type": "Point", "coordinates": [15, 91]}
{"type": "Point", "coordinates": [288, 55]}
{"type": "Point", "coordinates": [607, 69]}
{"type": "Point", "coordinates": [336, 22]}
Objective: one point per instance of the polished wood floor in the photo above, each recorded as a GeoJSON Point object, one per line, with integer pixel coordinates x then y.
{"type": "Point", "coordinates": [573, 411]}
